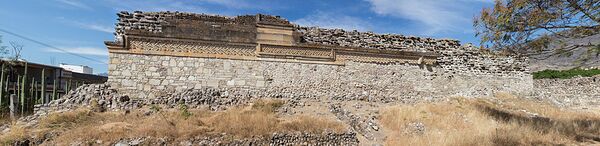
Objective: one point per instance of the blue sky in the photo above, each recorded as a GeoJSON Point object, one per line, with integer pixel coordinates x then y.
{"type": "Point", "coordinates": [81, 27]}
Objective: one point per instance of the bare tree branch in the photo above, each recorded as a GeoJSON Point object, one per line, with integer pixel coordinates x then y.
{"type": "Point", "coordinates": [17, 48]}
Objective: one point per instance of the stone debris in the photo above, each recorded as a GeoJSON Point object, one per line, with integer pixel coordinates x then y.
{"type": "Point", "coordinates": [104, 97]}
{"type": "Point", "coordinates": [367, 127]}
{"type": "Point", "coordinates": [415, 128]}
{"type": "Point", "coordinates": [297, 138]}
{"type": "Point", "coordinates": [294, 138]}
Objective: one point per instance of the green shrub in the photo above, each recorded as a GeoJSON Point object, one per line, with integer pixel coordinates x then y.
{"type": "Point", "coordinates": [565, 74]}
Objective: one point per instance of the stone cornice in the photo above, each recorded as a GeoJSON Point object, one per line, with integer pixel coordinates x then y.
{"type": "Point", "coordinates": [300, 53]}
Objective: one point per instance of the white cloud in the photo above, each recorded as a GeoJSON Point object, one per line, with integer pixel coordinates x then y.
{"type": "Point", "coordinates": [232, 3]}
{"type": "Point", "coordinates": [223, 7]}
{"type": "Point", "coordinates": [90, 26]}
{"type": "Point", "coordinates": [76, 4]}
{"type": "Point", "coordinates": [334, 20]}
{"type": "Point", "coordinates": [436, 15]}
{"type": "Point", "coordinates": [157, 5]}
{"type": "Point", "coordinates": [80, 50]}
{"type": "Point", "coordinates": [97, 27]}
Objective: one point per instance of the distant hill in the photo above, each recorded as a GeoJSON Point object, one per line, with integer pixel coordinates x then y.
{"type": "Point", "coordinates": [103, 74]}
{"type": "Point", "coordinates": [566, 53]}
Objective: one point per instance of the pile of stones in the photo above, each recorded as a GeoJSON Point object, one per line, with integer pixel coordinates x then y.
{"type": "Point", "coordinates": [365, 126]}
{"type": "Point", "coordinates": [102, 96]}
{"type": "Point", "coordinates": [299, 138]}
{"type": "Point", "coordinates": [86, 95]}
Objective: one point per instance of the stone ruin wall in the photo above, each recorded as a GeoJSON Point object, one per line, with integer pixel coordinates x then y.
{"type": "Point", "coordinates": [155, 56]}
{"type": "Point", "coordinates": [579, 91]}
{"type": "Point", "coordinates": [453, 59]}
{"type": "Point", "coordinates": [151, 76]}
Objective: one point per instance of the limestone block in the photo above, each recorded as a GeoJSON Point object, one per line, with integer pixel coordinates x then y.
{"type": "Point", "coordinates": [126, 73]}
{"type": "Point", "coordinates": [212, 83]}
{"type": "Point", "coordinates": [231, 83]}
{"type": "Point", "coordinates": [154, 82]}
{"type": "Point", "coordinates": [260, 83]}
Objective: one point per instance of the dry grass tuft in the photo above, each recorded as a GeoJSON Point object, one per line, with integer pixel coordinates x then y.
{"type": "Point", "coordinates": [310, 124]}
{"type": "Point", "coordinates": [506, 120]}
{"type": "Point", "coordinates": [17, 133]}
{"type": "Point", "coordinates": [267, 105]}
{"type": "Point", "coordinates": [67, 119]}
{"type": "Point", "coordinates": [244, 123]}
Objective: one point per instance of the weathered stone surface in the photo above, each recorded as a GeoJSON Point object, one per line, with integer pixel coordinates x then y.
{"type": "Point", "coordinates": [579, 91]}
{"type": "Point", "coordinates": [370, 40]}
{"type": "Point", "coordinates": [229, 57]}
{"type": "Point", "coordinates": [353, 81]}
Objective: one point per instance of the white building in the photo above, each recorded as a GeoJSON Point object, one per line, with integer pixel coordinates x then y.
{"type": "Point", "coordinates": [77, 68]}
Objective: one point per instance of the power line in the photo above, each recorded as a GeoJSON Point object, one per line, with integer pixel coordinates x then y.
{"type": "Point", "coordinates": [50, 46]}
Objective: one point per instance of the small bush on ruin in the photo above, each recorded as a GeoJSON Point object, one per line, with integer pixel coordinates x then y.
{"type": "Point", "coordinates": [565, 74]}
{"type": "Point", "coordinates": [183, 109]}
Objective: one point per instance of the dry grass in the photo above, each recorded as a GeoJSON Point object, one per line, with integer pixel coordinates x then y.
{"type": "Point", "coordinates": [445, 124]}
{"type": "Point", "coordinates": [16, 133]}
{"type": "Point", "coordinates": [506, 120]}
{"type": "Point", "coordinates": [242, 122]}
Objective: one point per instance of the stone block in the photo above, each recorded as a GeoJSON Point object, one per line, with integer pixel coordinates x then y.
{"type": "Point", "coordinates": [154, 82]}
{"type": "Point", "coordinates": [212, 83]}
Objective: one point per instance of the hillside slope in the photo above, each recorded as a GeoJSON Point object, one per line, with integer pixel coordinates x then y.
{"type": "Point", "coordinates": [566, 53]}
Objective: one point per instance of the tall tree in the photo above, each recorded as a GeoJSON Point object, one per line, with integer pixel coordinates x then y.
{"type": "Point", "coordinates": [526, 25]}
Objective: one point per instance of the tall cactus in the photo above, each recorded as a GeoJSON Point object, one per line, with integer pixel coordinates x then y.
{"type": "Point", "coordinates": [67, 86]}
{"type": "Point", "coordinates": [23, 89]}
{"type": "Point", "coordinates": [2, 84]}
{"type": "Point", "coordinates": [43, 88]}
{"type": "Point", "coordinates": [6, 85]}
{"type": "Point", "coordinates": [54, 90]}
{"type": "Point", "coordinates": [18, 86]}
{"type": "Point", "coordinates": [31, 92]}
{"type": "Point", "coordinates": [22, 97]}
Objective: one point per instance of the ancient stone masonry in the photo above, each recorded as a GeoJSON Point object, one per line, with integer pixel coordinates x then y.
{"type": "Point", "coordinates": [454, 58]}
{"type": "Point", "coordinates": [580, 91]}
{"type": "Point", "coordinates": [164, 52]}
{"type": "Point", "coordinates": [468, 60]}
{"type": "Point", "coordinates": [370, 40]}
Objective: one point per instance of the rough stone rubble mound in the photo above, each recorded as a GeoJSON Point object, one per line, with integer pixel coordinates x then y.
{"type": "Point", "coordinates": [104, 97]}
{"type": "Point", "coordinates": [107, 98]}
